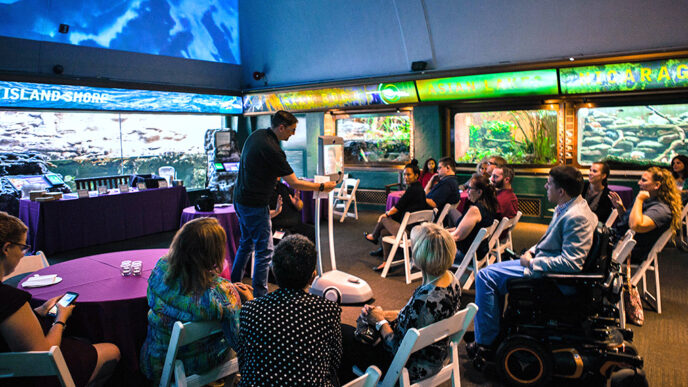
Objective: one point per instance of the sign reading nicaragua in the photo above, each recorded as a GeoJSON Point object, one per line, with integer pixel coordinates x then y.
{"type": "Point", "coordinates": [47, 96]}
{"type": "Point", "coordinates": [340, 97]}
{"type": "Point", "coordinates": [661, 74]}
{"type": "Point", "coordinates": [512, 84]}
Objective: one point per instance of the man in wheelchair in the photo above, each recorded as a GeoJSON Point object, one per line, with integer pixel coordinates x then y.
{"type": "Point", "coordinates": [561, 299]}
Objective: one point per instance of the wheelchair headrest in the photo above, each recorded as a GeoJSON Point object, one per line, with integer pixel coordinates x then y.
{"type": "Point", "coordinates": [600, 253]}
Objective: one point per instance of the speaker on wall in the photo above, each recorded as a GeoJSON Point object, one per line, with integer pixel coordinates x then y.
{"type": "Point", "coordinates": [419, 65]}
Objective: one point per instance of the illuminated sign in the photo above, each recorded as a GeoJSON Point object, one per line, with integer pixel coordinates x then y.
{"type": "Point", "coordinates": [661, 74]}
{"type": "Point", "coordinates": [340, 97]}
{"type": "Point", "coordinates": [513, 84]}
{"type": "Point", "coordinates": [45, 96]}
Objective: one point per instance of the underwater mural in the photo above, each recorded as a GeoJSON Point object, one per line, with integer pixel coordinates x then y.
{"type": "Point", "coordinates": [520, 136]}
{"type": "Point", "coordinates": [375, 138]}
{"type": "Point", "coordinates": [84, 144]}
{"type": "Point", "coordinates": [628, 135]}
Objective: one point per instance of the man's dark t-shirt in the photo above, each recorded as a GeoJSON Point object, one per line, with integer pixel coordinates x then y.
{"type": "Point", "coordinates": [262, 161]}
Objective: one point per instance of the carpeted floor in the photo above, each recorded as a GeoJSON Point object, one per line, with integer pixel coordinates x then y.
{"type": "Point", "coordinates": [663, 341]}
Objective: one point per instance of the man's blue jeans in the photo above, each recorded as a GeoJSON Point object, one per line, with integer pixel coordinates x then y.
{"type": "Point", "coordinates": [256, 234]}
{"type": "Point", "coordinates": [490, 289]}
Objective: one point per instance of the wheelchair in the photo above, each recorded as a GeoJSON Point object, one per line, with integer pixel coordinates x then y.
{"type": "Point", "coordinates": [567, 326]}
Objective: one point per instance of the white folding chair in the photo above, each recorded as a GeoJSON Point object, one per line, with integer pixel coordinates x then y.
{"type": "Point", "coordinates": [453, 328]}
{"type": "Point", "coordinates": [472, 256]}
{"type": "Point", "coordinates": [183, 334]}
{"type": "Point", "coordinates": [507, 242]}
{"type": "Point", "coordinates": [36, 363]}
{"type": "Point", "coordinates": [344, 198]}
{"type": "Point", "coordinates": [445, 211]}
{"type": "Point", "coordinates": [368, 379]}
{"type": "Point", "coordinates": [402, 240]}
{"type": "Point", "coordinates": [29, 264]}
{"type": "Point", "coordinates": [494, 253]}
{"type": "Point", "coordinates": [621, 252]}
{"type": "Point", "coordinates": [651, 263]}
{"type": "Point", "coordinates": [682, 241]}
{"type": "Point", "coordinates": [612, 218]}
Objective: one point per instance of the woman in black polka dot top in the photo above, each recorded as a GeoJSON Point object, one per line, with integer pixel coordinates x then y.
{"type": "Point", "coordinates": [289, 337]}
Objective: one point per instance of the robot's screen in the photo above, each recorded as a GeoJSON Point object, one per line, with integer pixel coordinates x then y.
{"type": "Point", "coordinates": [334, 158]}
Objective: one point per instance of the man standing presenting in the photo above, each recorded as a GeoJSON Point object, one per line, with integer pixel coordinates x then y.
{"type": "Point", "coordinates": [562, 249]}
{"type": "Point", "coordinates": [262, 162]}
{"type": "Point", "coordinates": [508, 202]}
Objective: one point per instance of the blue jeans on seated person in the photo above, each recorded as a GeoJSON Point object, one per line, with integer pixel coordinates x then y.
{"type": "Point", "coordinates": [490, 289]}
{"type": "Point", "coordinates": [256, 232]}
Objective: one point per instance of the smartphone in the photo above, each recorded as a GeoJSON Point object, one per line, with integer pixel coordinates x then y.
{"type": "Point", "coordinates": [66, 300]}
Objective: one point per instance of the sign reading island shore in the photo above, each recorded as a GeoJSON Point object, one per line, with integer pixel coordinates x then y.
{"type": "Point", "coordinates": [661, 74]}
{"type": "Point", "coordinates": [48, 96]}
{"type": "Point", "coordinates": [512, 84]}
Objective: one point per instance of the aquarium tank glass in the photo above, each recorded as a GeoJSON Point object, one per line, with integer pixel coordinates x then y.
{"type": "Point", "coordinates": [376, 138]}
{"type": "Point", "coordinates": [520, 136]}
{"type": "Point", "coordinates": [632, 135]}
{"type": "Point", "coordinates": [88, 144]}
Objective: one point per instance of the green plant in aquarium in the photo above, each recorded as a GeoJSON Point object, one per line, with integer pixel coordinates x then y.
{"type": "Point", "coordinates": [539, 136]}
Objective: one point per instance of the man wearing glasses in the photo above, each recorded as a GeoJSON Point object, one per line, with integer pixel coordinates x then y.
{"type": "Point", "coordinates": [262, 162]}
{"type": "Point", "coordinates": [494, 162]}
{"type": "Point", "coordinates": [446, 187]}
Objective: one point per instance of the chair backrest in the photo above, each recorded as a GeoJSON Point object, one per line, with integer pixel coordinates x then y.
{"type": "Point", "coordinates": [29, 264]}
{"type": "Point", "coordinates": [183, 334]}
{"type": "Point", "coordinates": [413, 218]}
{"type": "Point", "coordinates": [498, 232]}
{"type": "Point", "coordinates": [599, 256]}
{"type": "Point", "coordinates": [684, 213]}
{"type": "Point", "coordinates": [36, 363]}
{"type": "Point", "coordinates": [368, 379]}
{"type": "Point", "coordinates": [612, 218]}
{"type": "Point", "coordinates": [513, 222]}
{"type": "Point", "coordinates": [661, 242]}
{"type": "Point", "coordinates": [452, 328]}
{"type": "Point", "coordinates": [445, 210]}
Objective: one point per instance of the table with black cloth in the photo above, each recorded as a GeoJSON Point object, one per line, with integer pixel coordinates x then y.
{"type": "Point", "coordinates": [69, 224]}
{"type": "Point", "coordinates": [228, 219]}
{"type": "Point", "coordinates": [110, 308]}
{"type": "Point", "coordinates": [625, 193]}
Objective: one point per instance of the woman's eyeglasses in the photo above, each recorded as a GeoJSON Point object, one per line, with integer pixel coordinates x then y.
{"type": "Point", "coordinates": [24, 248]}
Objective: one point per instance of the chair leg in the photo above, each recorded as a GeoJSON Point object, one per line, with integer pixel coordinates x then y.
{"type": "Point", "coordinates": [355, 209]}
{"type": "Point", "coordinates": [407, 263]}
{"type": "Point", "coordinates": [390, 258]}
{"type": "Point", "coordinates": [346, 210]}
{"type": "Point", "coordinates": [657, 288]}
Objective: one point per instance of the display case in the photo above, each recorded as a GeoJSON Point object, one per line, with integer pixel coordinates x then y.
{"type": "Point", "coordinates": [375, 139]}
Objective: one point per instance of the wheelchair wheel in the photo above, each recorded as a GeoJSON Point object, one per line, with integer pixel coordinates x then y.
{"type": "Point", "coordinates": [524, 362]}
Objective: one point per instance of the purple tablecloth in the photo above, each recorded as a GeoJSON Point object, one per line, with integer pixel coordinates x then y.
{"type": "Point", "coordinates": [393, 198]}
{"type": "Point", "coordinates": [74, 223]}
{"type": "Point", "coordinates": [110, 308]}
{"type": "Point", "coordinates": [625, 193]}
{"type": "Point", "coordinates": [228, 219]}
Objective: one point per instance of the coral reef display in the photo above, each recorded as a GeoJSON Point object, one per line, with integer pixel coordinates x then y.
{"type": "Point", "coordinates": [520, 136]}
{"type": "Point", "coordinates": [375, 138]}
{"type": "Point", "coordinates": [643, 135]}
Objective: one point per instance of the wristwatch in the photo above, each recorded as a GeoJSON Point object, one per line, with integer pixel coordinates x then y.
{"type": "Point", "coordinates": [379, 324]}
{"type": "Point", "coordinates": [322, 187]}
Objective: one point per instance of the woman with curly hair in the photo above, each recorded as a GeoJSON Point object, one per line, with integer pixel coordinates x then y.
{"type": "Point", "coordinates": [656, 209]}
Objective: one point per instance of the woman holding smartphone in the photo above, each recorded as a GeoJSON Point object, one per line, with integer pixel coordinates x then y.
{"type": "Point", "coordinates": [20, 329]}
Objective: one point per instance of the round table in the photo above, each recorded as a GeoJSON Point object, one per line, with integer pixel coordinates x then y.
{"type": "Point", "coordinates": [110, 308]}
{"type": "Point", "coordinates": [393, 198]}
{"type": "Point", "coordinates": [625, 193]}
{"type": "Point", "coordinates": [229, 220]}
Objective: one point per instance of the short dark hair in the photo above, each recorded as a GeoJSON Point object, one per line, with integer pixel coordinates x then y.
{"type": "Point", "coordinates": [567, 178]}
{"type": "Point", "coordinates": [294, 261]}
{"type": "Point", "coordinates": [283, 117]}
{"type": "Point", "coordinates": [499, 160]}
{"type": "Point", "coordinates": [508, 172]}
{"type": "Point", "coordinates": [448, 161]}
{"type": "Point", "coordinates": [414, 166]}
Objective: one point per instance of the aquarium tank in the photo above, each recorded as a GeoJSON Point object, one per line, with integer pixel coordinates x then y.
{"type": "Point", "coordinates": [376, 138]}
{"type": "Point", "coordinates": [520, 136]}
{"type": "Point", "coordinates": [90, 144]}
{"type": "Point", "coordinates": [632, 135]}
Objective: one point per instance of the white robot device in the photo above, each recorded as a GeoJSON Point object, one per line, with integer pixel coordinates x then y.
{"type": "Point", "coordinates": [334, 285]}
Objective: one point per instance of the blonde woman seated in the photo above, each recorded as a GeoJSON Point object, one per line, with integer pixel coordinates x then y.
{"type": "Point", "coordinates": [185, 285]}
{"type": "Point", "coordinates": [437, 298]}
{"type": "Point", "coordinates": [20, 328]}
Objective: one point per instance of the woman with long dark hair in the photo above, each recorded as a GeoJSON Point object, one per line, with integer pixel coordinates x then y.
{"type": "Point", "coordinates": [429, 170]}
{"type": "Point", "coordinates": [679, 169]}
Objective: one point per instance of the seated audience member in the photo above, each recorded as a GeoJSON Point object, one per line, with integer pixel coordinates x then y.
{"type": "Point", "coordinates": [562, 249]}
{"type": "Point", "coordinates": [596, 191]}
{"type": "Point", "coordinates": [429, 170]}
{"type": "Point", "coordinates": [481, 213]}
{"type": "Point", "coordinates": [656, 208]}
{"type": "Point", "coordinates": [480, 169]}
{"type": "Point", "coordinates": [443, 188]}
{"type": "Point", "coordinates": [285, 212]}
{"type": "Point", "coordinates": [508, 202]}
{"type": "Point", "coordinates": [437, 298]}
{"type": "Point", "coordinates": [21, 327]}
{"type": "Point", "coordinates": [185, 286]}
{"type": "Point", "coordinates": [290, 337]}
{"type": "Point", "coordinates": [389, 222]}
{"type": "Point", "coordinates": [493, 162]}
{"type": "Point", "coordinates": [679, 169]}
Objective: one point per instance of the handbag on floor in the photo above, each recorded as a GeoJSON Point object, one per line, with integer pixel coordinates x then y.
{"type": "Point", "coordinates": [632, 302]}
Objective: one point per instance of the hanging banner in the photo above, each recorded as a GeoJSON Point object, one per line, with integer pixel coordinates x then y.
{"type": "Point", "coordinates": [661, 74]}
{"type": "Point", "coordinates": [332, 98]}
{"type": "Point", "coordinates": [48, 96]}
{"type": "Point", "coordinates": [512, 84]}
